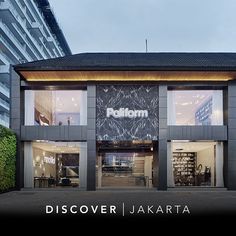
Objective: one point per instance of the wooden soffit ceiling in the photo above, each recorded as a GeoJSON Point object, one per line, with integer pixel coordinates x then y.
{"type": "Point", "coordinates": [127, 75]}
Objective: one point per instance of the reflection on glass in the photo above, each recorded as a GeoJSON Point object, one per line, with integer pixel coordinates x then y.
{"type": "Point", "coordinates": [195, 107]}
{"type": "Point", "coordinates": [56, 164]}
{"type": "Point", "coordinates": [126, 169]}
{"type": "Point", "coordinates": [56, 107]}
{"type": "Point", "coordinates": [197, 164]}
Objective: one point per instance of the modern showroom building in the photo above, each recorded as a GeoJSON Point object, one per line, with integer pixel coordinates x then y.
{"type": "Point", "coordinates": [126, 120]}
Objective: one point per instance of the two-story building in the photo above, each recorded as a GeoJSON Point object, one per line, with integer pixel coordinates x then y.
{"type": "Point", "coordinates": [126, 120]}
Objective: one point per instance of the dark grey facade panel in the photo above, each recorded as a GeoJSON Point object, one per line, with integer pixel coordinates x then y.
{"type": "Point", "coordinates": [91, 89]}
{"type": "Point", "coordinates": [231, 102]}
{"type": "Point", "coordinates": [162, 143]}
{"type": "Point", "coordinates": [231, 179]}
{"type": "Point", "coordinates": [232, 133]}
{"type": "Point", "coordinates": [232, 90]}
{"type": "Point", "coordinates": [232, 113]}
{"type": "Point", "coordinates": [15, 92]}
{"type": "Point", "coordinates": [231, 153]}
{"type": "Point", "coordinates": [53, 133]}
{"type": "Point", "coordinates": [91, 138]}
{"type": "Point", "coordinates": [84, 132]}
{"type": "Point", "coordinates": [91, 102]}
{"type": "Point", "coordinates": [231, 147]}
{"type": "Point", "coordinates": [15, 102]}
{"type": "Point", "coordinates": [15, 122]}
{"type": "Point", "coordinates": [197, 133]}
{"type": "Point", "coordinates": [232, 123]}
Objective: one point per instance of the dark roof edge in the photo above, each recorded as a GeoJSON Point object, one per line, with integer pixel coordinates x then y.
{"type": "Point", "coordinates": [49, 16]}
{"type": "Point", "coordinates": [128, 68]}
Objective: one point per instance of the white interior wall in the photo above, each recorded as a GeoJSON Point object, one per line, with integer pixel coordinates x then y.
{"type": "Point", "coordinates": [83, 165]}
{"type": "Point", "coordinates": [217, 107]}
{"type": "Point", "coordinates": [219, 164]}
{"type": "Point", "coordinates": [29, 107]}
{"type": "Point", "coordinates": [40, 167]}
{"type": "Point", "coordinates": [170, 174]}
{"type": "Point", "coordinates": [171, 111]}
{"type": "Point", "coordinates": [28, 165]}
{"type": "Point", "coordinates": [206, 158]}
{"type": "Point", "coordinates": [83, 107]}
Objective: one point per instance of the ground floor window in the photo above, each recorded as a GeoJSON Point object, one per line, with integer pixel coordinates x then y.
{"type": "Point", "coordinates": [54, 164]}
{"type": "Point", "coordinates": [195, 164]}
{"type": "Point", "coordinates": [126, 164]}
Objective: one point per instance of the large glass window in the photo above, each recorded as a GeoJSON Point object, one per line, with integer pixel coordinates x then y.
{"type": "Point", "coordinates": [57, 163]}
{"type": "Point", "coordinates": [57, 107]}
{"type": "Point", "coordinates": [195, 164]}
{"type": "Point", "coordinates": [195, 107]}
{"type": "Point", "coordinates": [126, 164]}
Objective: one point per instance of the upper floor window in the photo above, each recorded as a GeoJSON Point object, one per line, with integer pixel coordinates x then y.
{"type": "Point", "coordinates": [56, 107]}
{"type": "Point", "coordinates": [195, 107]}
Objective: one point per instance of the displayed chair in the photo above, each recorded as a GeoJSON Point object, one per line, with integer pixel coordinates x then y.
{"type": "Point", "coordinates": [51, 182]}
{"type": "Point", "coordinates": [65, 182]}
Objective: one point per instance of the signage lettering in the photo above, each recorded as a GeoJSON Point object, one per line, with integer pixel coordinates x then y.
{"type": "Point", "coordinates": [126, 112]}
{"type": "Point", "coordinates": [49, 160]}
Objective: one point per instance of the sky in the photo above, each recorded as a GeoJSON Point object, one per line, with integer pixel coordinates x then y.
{"type": "Point", "coordinates": [168, 25]}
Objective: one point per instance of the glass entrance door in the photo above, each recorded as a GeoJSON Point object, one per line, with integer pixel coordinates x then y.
{"type": "Point", "coordinates": [125, 165]}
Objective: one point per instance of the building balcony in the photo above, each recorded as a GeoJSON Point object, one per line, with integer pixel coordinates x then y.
{"type": "Point", "coordinates": [44, 29]}
{"type": "Point", "coordinates": [9, 14]}
{"type": "Point", "coordinates": [4, 106]}
{"type": "Point", "coordinates": [31, 43]}
{"type": "Point", "coordinates": [20, 8]}
{"type": "Point", "coordinates": [4, 69]}
{"type": "Point", "coordinates": [13, 52]}
{"type": "Point", "coordinates": [18, 46]}
{"type": "Point", "coordinates": [4, 90]}
{"type": "Point", "coordinates": [4, 120]}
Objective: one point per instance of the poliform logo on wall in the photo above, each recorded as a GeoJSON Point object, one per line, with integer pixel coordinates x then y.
{"type": "Point", "coordinates": [127, 112]}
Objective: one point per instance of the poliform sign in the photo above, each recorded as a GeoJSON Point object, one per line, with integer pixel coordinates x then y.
{"type": "Point", "coordinates": [126, 113]}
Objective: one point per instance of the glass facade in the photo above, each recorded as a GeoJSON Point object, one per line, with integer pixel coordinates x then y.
{"type": "Point", "coordinates": [123, 163]}
{"type": "Point", "coordinates": [196, 164]}
{"type": "Point", "coordinates": [195, 107]}
{"type": "Point", "coordinates": [132, 166]}
{"type": "Point", "coordinates": [55, 163]}
{"type": "Point", "coordinates": [57, 107]}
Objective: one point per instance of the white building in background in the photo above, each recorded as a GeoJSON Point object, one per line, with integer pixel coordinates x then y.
{"type": "Point", "coordinates": [28, 32]}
